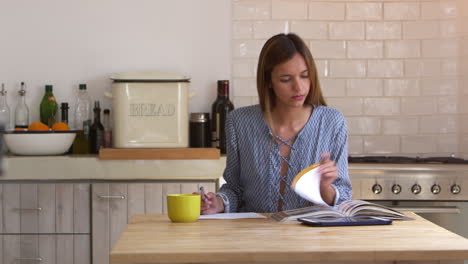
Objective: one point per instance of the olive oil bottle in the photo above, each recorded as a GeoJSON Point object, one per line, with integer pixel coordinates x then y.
{"type": "Point", "coordinates": [96, 131]}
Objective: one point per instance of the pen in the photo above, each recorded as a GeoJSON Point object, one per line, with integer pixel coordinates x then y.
{"type": "Point", "coordinates": [202, 193]}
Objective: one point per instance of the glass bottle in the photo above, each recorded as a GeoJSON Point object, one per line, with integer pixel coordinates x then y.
{"type": "Point", "coordinates": [107, 129]}
{"type": "Point", "coordinates": [96, 131]}
{"type": "Point", "coordinates": [22, 110]}
{"type": "Point", "coordinates": [4, 109]}
{"type": "Point", "coordinates": [48, 107]}
{"type": "Point", "coordinates": [82, 123]}
{"type": "Point", "coordinates": [64, 118]}
{"type": "Point", "coordinates": [220, 109]}
{"type": "Point", "coordinates": [64, 112]}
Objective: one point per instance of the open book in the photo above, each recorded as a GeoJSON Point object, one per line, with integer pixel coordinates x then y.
{"type": "Point", "coordinates": [350, 208]}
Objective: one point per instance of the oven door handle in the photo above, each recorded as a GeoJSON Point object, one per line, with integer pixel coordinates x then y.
{"type": "Point", "coordinates": [430, 209]}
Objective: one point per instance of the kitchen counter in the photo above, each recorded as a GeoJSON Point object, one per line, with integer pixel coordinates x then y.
{"type": "Point", "coordinates": [154, 239]}
{"type": "Point", "coordinates": [79, 167]}
{"type": "Point", "coordinates": [74, 167]}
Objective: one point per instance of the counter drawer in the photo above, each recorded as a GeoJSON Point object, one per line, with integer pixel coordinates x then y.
{"type": "Point", "coordinates": [50, 249]}
{"type": "Point", "coordinates": [44, 208]}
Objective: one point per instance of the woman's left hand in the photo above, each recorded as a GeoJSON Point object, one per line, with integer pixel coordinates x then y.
{"type": "Point", "coordinates": [328, 174]}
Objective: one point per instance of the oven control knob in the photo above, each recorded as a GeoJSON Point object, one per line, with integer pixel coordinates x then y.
{"type": "Point", "coordinates": [455, 189]}
{"type": "Point", "coordinates": [377, 188]}
{"type": "Point", "coordinates": [435, 189]}
{"type": "Point", "coordinates": [416, 189]}
{"type": "Point", "coordinates": [396, 189]}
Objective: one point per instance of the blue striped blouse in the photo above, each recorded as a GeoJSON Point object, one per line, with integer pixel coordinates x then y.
{"type": "Point", "coordinates": [253, 161]}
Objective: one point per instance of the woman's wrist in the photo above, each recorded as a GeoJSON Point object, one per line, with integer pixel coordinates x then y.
{"type": "Point", "coordinates": [221, 204]}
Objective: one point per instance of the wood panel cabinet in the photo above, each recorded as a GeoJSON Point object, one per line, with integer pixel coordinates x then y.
{"type": "Point", "coordinates": [113, 204]}
{"type": "Point", "coordinates": [45, 249]}
{"type": "Point", "coordinates": [45, 208]}
{"type": "Point", "coordinates": [50, 222]}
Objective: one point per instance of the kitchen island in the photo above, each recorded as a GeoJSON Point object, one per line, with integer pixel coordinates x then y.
{"type": "Point", "coordinates": [154, 239]}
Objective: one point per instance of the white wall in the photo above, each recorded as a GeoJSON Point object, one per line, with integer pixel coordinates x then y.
{"type": "Point", "coordinates": [67, 42]}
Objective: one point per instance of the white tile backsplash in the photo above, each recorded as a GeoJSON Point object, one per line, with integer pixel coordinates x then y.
{"type": "Point", "coordinates": [382, 144]}
{"type": "Point", "coordinates": [363, 125]}
{"type": "Point", "coordinates": [447, 144]}
{"type": "Point", "coordinates": [286, 9]}
{"type": "Point", "coordinates": [266, 29]}
{"type": "Point", "coordinates": [350, 106]}
{"type": "Point", "coordinates": [323, 10]}
{"type": "Point", "coordinates": [401, 87]}
{"type": "Point", "coordinates": [347, 30]}
{"type": "Point", "coordinates": [447, 105]}
{"type": "Point", "coordinates": [395, 68]}
{"type": "Point", "coordinates": [438, 124]}
{"type": "Point", "coordinates": [402, 49]}
{"type": "Point", "coordinates": [422, 68]}
{"type": "Point", "coordinates": [365, 49]}
{"type": "Point", "coordinates": [381, 106]}
{"type": "Point", "coordinates": [400, 126]}
{"type": "Point", "coordinates": [244, 68]}
{"type": "Point", "coordinates": [246, 48]}
{"type": "Point", "coordinates": [383, 30]}
{"type": "Point", "coordinates": [248, 10]}
{"type": "Point", "coordinates": [439, 48]}
{"type": "Point", "coordinates": [333, 87]}
{"type": "Point", "coordinates": [364, 11]}
{"type": "Point", "coordinates": [364, 87]}
{"type": "Point", "coordinates": [244, 87]}
{"type": "Point", "coordinates": [419, 105]}
{"type": "Point", "coordinates": [348, 68]}
{"type": "Point", "coordinates": [328, 49]}
{"type": "Point", "coordinates": [419, 144]}
{"type": "Point", "coordinates": [421, 29]}
{"type": "Point", "coordinates": [439, 86]}
{"type": "Point", "coordinates": [242, 30]}
{"type": "Point", "coordinates": [310, 29]}
{"type": "Point", "coordinates": [355, 145]}
{"type": "Point", "coordinates": [403, 10]}
{"type": "Point", "coordinates": [385, 68]}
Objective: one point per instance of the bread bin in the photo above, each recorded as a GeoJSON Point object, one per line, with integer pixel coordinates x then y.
{"type": "Point", "coordinates": [150, 110]}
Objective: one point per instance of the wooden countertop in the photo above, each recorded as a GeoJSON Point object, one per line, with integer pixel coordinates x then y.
{"type": "Point", "coordinates": [154, 239]}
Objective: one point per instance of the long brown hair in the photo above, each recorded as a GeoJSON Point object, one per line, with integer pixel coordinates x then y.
{"type": "Point", "coordinates": [278, 49]}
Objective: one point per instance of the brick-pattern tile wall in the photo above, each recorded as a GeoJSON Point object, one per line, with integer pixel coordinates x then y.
{"type": "Point", "coordinates": [463, 70]}
{"type": "Point", "coordinates": [393, 67]}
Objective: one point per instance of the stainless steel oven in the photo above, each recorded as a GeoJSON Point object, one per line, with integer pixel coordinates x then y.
{"type": "Point", "coordinates": [435, 188]}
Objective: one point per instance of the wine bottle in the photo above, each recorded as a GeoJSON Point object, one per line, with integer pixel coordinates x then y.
{"type": "Point", "coordinates": [48, 107]}
{"type": "Point", "coordinates": [96, 131]}
{"type": "Point", "coordinates": [220, 109]}
{"type": "Point", "coordinates": [107, 129]}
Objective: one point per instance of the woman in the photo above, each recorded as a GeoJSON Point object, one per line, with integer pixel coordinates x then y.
{"type": "Point", "coordinates": [291, 129]}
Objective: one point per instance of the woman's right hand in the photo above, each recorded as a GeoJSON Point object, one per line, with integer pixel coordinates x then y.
{"type": "Point", "coordinates": [212, 205]}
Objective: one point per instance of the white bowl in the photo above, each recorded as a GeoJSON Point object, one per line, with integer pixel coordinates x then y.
{"type": "Point", "coordinates": [39, 142]}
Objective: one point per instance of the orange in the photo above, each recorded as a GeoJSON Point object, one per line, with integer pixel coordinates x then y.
{"type": "Point", "coordinates": [60, 126]}
{"type": "Point", "coordinates": [38, 126]}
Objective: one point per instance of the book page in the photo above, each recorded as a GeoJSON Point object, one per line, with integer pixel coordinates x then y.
{"type": "Point", "coordinates": [363, 208]}
{"type": "Point", "coordinates": [307, 185]}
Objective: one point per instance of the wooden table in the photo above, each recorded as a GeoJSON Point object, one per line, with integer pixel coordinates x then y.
{"type": "Point", "coordinates": [154, 239]}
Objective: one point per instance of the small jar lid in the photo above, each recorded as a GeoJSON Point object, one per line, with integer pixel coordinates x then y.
{"type": "Point", "coordinates": [199, 117]}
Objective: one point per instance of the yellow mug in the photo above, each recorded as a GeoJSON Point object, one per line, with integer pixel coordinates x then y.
{"type": "Point", "coordinates": [183, 208]}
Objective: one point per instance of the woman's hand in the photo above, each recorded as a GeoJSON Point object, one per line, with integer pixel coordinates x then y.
{"type": "Point", "coordinates": [328, 174]}
{"type": "Point", "coordinates": [211, 204]}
